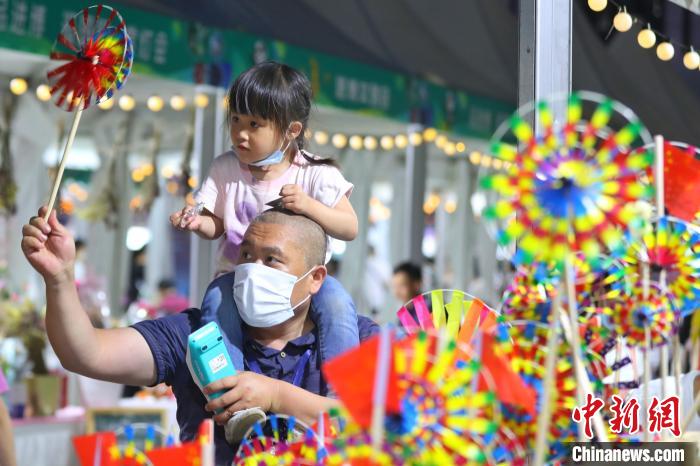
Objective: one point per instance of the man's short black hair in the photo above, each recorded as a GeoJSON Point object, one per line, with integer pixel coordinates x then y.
{"type": "Point", "coordinates": [307, 233]}
{"type": "Point", "coordinates": [412, 271]}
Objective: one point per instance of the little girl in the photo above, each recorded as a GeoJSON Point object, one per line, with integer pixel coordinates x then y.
{"type": "Point", "coordinates": [268, 112]}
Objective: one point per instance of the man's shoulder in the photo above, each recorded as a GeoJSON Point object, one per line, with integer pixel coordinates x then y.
{"type": "Point", "coordinates": [366, 327]}
{"type": "Point", "coordinates": [176, 325]}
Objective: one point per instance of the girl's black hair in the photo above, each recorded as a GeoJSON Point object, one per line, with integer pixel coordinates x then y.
{"type": "Point", "coordinates": [276, 92]}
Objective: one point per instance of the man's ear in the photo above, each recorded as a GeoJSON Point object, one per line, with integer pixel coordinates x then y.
{"type": "Point", "coordinates": [317, 276]}
{"type": "Point", "coordinates": [295, 129]}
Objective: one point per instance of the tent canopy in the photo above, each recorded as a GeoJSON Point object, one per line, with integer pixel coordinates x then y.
{"type": "Point", "coordinates": [469, 45]}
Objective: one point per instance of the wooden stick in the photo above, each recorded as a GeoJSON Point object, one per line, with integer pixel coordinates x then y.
{"type": "Point", "coordinates": [647, 345]}
{"type": "Point", "coordinates": [545, 416]}
{"type": "Point", "coordinates": [381, 383]}
{"type": "Point", "coordinates": [64, 159]}
{"type": "Point", "coordinates": [582, 378]}
{"type": "Point", "coordinates": [579, 370]}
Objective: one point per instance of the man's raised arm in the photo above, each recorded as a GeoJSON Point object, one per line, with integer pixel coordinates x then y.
{"type": "Point", "coordinates": [117, 355]}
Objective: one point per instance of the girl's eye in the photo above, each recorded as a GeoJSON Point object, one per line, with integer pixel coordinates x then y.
{"type": "Point", "coordinates": [234, 119]}
{"type": "Point", "coordinates": [254, 124]}
{"type": "Point", "coordinates": [272, 259]}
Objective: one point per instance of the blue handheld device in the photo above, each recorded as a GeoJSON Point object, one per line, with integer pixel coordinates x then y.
{"type": "Point", "coordinates": [208, 357]}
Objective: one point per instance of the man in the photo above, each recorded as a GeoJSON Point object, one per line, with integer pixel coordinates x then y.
{"type": "Point", "coordinates": [7, 442]}
{"type": "Point", "coordinates": [152, 352]}
{"type": "Point", "coordinates": [406, 281]}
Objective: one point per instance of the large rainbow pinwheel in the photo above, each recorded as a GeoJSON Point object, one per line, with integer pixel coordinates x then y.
{"type": "Point", "coordinates": [440, 405]}
{"type": "Point", "coordinates": [571, 183]}
{"type": "Point", "coordinates": [98, 54]}
{"type": "Point", "coordinates": [671, 250]}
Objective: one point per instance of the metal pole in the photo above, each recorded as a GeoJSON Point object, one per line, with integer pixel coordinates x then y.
{"type": "Point", "coordinates": [209, 141]}
{"type": "Point", "coordinates": [416, 172]}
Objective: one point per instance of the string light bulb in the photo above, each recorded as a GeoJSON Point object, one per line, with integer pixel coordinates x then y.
{"type": "Point", "coordinates": [415, 139]}
{"type": "Point", "coordinates": [127, 103]}
{"type": "Point", "coordinates": [155, 103]}
{"type": "Point", "coordinates": [597, 5]}
{"type": "Point", "coordinates": [201, 100]}
{"type": "Point", "coordinates": [387, 142]}
{"type": "Point", "coordinates": [355, 142]}
{"type": "Point", "coordinates": [665, 51]}
{"type": "Point", "coordinates": [401, 141]}
{"type": "Point", "coordinates": [18, 86]}
{"type": "Point", "coordinates": [370, 143]}
{"type": "Point", "coordinates": [321, 138]}
{"type": "Point", "coordinates": [178, 103]}
{"type": "Point", "coordinates": [622, 20]}
{"type": "Point", "coordinates": [106, 104]}
{"type": "Point", "coordinates": [461, 147]}
{"type": "Point", "coordinates": [646, 38]}
{"type": "Point", "coordinates": [441, 141]}
{"type": "Point", "coordinates": [691, 59]}
{"type": "Point", "coordinates": [43, 92]}
{"type": "Point", "coordinates": [429, 134]}
{"type": "Point", "coordinates": [339, 140]}
{"type": "Point", "coordinates": [450, 149]}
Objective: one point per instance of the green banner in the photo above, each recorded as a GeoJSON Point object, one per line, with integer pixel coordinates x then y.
{"type": "Point", "coordinates": [187, 51]}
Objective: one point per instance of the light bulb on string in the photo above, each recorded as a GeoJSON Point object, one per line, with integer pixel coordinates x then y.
{"type": "Point", "coordinates": [18, 86]}
{"type": "Point", "coordinates": [106, 104]}
{"type": "Point", "coordinates": [691, 59]}
{"type": "Point", "coordinates": [401, 141]}
{"type": "Point", "coordinates": [597, 5]}
{"type": "Point", "coordinates": [665, 51]}
{"type": "Point", "coordinates": [321, 138]}
{"type": "Point", "coordinates": [127, 103]}
{"type": "Point", "coordinates": [461, 147]}
{"type": "Point", "coordinates": [387, 142]}
{"type": "Point", "coordinates": [178, 103]}
{"type": "Point", "coordinates": [622, 20]}
{"type": "Point", "coordinates": [339, 140]}
{"type": "Point", "coordinates": [646, 38]}
{"type": "Point", "coordinates": [415, 139]}
{"type": "Point", "coordinates": [201, 100]}
{"type": "Point", "coordinates": [155, 103]}
{"type": "Point", "coordinates": [355, 142]}
{"type": "Point", "coordinates": [370, 142]}
{"type": "Point", "coordinates": [43, 92]}
{"type": "Point", "coordinates": [429, 134]}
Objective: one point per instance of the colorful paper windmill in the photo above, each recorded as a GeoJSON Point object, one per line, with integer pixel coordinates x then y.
{"type": "Point", "coordinates": [442, 412]}
{"type": "Point", "coordinates": [98, 54]}
{"type": "Point", "coordinates": [667, 246]}
{"type": "Point", "coordinates": [633, 313]}
{"type": "Point", "coordinates": [570, 187]}
{"type": "Point", "coordinates": [524, 344]}
{"type": "Point", "coordinates": [463, 317]}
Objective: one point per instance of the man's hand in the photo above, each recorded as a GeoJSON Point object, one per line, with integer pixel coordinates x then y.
{"type": "Point", "coordinates": [243, 390]}
{"type": "Point", "coordinates": [49, 247]}
{"type": "Point", "coordinates": [295, 199]}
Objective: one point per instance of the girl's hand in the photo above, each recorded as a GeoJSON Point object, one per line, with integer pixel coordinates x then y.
{"type": "Point", "coordinates": [295, 199]}
{"type": "Point", "coordinates": [186, 219]}
{"type": "Point", "coordinates": [49, 247]}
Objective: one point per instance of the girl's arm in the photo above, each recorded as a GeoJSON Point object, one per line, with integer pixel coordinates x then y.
{"type": "Point", "coordinates": [339, 222]}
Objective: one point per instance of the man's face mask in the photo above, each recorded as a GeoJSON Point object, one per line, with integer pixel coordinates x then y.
{"type": "Point", "coordinates": [263, 294]}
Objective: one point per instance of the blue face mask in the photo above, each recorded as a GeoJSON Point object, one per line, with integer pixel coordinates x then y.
{"type": "Point", "coordinates": [272, 159]}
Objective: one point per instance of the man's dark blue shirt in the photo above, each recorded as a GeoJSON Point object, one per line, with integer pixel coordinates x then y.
{"type": "Point", "coordinates": [167, 338]}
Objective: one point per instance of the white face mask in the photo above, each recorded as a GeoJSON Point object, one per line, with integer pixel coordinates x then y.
{"type": "Point", "coordinates": [264, 295]}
